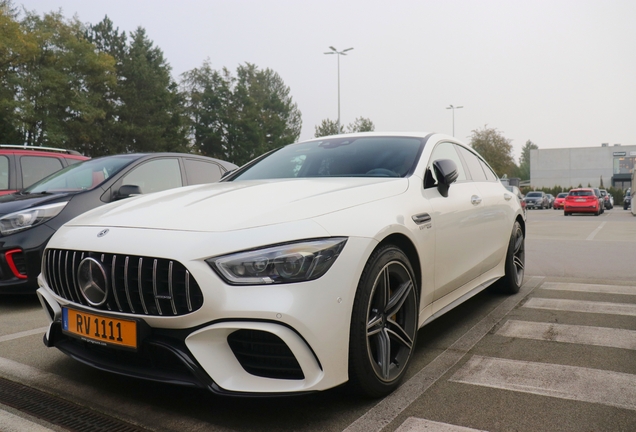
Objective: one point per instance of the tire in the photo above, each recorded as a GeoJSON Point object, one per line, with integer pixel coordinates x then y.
{"type": "Point", "coordinates": [511, 282]}
{"type": "Point", "coordinates": [384, 323]}
{"type": "Point", "coordinates": [566, 213]}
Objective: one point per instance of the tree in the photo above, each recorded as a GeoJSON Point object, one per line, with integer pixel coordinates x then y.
{"type": "Point", "coordinates": [495, 148]}
{"type": "Point", "coordinates": [150, 107]}
{"type": "Point", "coordinates": [237, 118]}
{"type": "Point", "coordinates": [328, 127]}
{"type": "Point", "coordinates": [361, 124]}
{"type": "Point", "coordinates": [524, 160]}
{"type": "Point", "coordinates": [14, 46]}
{"type": "Point", "coordinates": [61, 84]}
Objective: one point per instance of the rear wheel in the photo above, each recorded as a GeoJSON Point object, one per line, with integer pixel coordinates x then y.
{"type": "Point", "coordinates": [515, 263]}
{"type": "Point", "coordinates": [384, 323]}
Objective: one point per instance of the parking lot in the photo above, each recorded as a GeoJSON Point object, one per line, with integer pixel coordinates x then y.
{"type": "Point", "coordinates": [558, 356]}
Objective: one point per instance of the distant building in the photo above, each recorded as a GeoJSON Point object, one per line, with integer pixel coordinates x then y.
{"type": "Point", "coordinates": [570, 167]}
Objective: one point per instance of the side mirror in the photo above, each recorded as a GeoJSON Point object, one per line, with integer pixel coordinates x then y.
{"type": "Point", "coordinates": [126, 191]}
{"type": "Point", "coordinates": [446, 173]}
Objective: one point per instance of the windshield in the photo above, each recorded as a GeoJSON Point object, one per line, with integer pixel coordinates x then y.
{"type": "Point", "coordinates": [339, 157]}
{"type": "Point", "coordinates": [533, 194]}
{"type": "Point", "coordinates": [562, 195]}
{"type": "Point", "coordinates": [82, 176]}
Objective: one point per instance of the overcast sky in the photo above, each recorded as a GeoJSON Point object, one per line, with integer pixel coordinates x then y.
{"type": "Point", "coordinates": [559, 73]}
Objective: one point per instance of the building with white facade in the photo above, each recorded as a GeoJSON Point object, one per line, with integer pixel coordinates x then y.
{"type": "Point", "coordinates": [571, 167]}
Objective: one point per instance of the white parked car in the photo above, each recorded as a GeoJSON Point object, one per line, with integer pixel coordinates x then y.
{"type": "Point", "coordinates": [312, 265]}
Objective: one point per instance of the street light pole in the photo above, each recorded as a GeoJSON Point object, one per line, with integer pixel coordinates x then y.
{"type": "Point", "coordinates": [338, 53]}
{"type": "Point", "coordinates": [454, 108]}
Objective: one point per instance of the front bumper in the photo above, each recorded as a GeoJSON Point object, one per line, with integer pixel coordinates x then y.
{"type": "Point", "coordinates": [298, 334]}
{"type": "Point", "coordinates": [26, 263]}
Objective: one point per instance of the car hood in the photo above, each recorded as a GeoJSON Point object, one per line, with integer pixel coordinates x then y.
{"type": "Point", "coordinates": [240, 205]}
{"type": "Point", "coordinates": [15, 202]}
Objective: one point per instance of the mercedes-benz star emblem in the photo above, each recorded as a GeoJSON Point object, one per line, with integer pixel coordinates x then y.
{"type": "Point", "coordinates": [92, 280]}
{"type": "Point", "coordinates": [103, 232]}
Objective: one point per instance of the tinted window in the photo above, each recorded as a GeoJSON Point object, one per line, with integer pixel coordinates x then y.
{"type": "Point", "coordinates": [534, 194]}
{"type": "Point", "coordinates": [155, 175]}
{"type": "Point", "coordinates": [200, 172]}
{"type": "Point", "coordinates": [581, 193]}
{"type": "Point", "coordinates": [35, 168]}
{"type": "Point", "coordinates": [339, 157]}
{"type": "Point", "coordinates": [4, 172]}
{"type": "Point", "coordinates": [474, 166]}
{"type": "Point", "coordinates": [445, 150]}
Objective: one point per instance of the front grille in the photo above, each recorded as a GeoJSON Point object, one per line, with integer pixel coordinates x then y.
{"type": "Point", "coordinates": [264, 354]}
{"type": "Point", "coordinates": [135, 284]}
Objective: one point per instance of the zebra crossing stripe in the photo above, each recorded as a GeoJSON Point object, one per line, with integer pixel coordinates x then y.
{"type": "Point", "coordinates": [581, 306]}
{"type": "Point", "coordinates": [414, 424]}
{"type": "Point", "coordinates": [598, 336]}
{"type": "Point", "coordinates": [565, 382]}
{"type": "Point", "coordinates": [589, 288]}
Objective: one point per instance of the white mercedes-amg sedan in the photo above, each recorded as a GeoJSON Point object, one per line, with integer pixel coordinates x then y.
{"type": "Point", "coordinates": [313, 265]}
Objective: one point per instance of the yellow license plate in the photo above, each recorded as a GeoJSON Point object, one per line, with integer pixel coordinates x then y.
{"type": "Point", "coordinates": [100, 329]}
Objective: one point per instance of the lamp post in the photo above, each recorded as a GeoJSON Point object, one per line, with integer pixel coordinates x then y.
{"type": "Point", "coordinates": [454, 108]}
{"type": "Point", "coordinates": [338, 53]}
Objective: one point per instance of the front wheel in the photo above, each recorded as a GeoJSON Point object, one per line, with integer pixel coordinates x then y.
{"type": "Point", "coordinates": [511, 282]}
{"type": "Point", "coordinates": [384, 323]}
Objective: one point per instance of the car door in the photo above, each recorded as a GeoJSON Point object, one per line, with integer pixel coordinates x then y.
{"type": "Point", "coordinates": [454, 220]}
{"type": "Point", "coordinates": [494, 212]}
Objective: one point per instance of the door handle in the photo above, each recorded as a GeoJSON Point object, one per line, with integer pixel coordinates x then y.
{"type": "Point", "coordinates": [475, 200]}
{"type": "Point", "coordinates": [507, 197]}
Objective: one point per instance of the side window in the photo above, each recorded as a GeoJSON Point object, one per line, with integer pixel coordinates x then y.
{"type": "Point", "coordinates": [443, 150]}
{"type": "Point", "coordinates": [35, 168]}
{"type": "Point", "coordinates": [4, 173]}
{"type": "Point", "coordinates": [155, 176]}
{"type": "Point", "coordinates": [474, 166]}
{"type": "Point", "coordinates": [490, 175]}
{"type": "Point", "coordinates": [199, 172]}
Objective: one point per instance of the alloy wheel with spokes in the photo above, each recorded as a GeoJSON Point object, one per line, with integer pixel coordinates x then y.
{"type": "Point", "coordinates": [384, 322]}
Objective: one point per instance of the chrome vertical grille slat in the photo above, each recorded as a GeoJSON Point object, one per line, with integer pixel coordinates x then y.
{"type": "Point", "coordinates": [113, 267]}
{"type": "Point", "coordinates": [59, 274]}
{"type": "Point", "coordinates": [74, 277]}
{"type": "Point", "coordinates": [140, 284]}
{"type": "Point", "coordinates": [154, 286]}
{"type": "Point", "coordinates": [126, 285]}
{"type": "Point", "coordinates": [131, 290]}
{"type": "Point", "coordinates": [174, 308]}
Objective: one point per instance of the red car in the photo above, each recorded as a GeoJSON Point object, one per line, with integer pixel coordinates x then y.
{"type": "Point", "coordinates": [582, 200]}
{"type": "Point", "coordinates": [559, 201]}
{"type": "Point", "coordinates": [21, 166]}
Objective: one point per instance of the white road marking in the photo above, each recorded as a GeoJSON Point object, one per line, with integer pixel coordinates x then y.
{"type": "Point", "coordinates": [391, 406]}
{"type": "Point", "coordinates": [593, 233]}
{"type": "Point", "coordinates": [598, 336]}
{"type": "Point", "coordinates": [590, 288]}
{"type": "Point", "coordinates": [565, 382]}
{"type": "Point", "coordinates": [581, 306]}
{"type": "Point", "coordinates": [414, 424]}
{"type": "Point", "coordinates": [19, 335]}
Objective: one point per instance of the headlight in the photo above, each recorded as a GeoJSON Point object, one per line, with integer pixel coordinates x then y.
{"type": "Point", "coordinates": [29, 218]}
{"type": "Point", "coordinates": [293, 262]}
